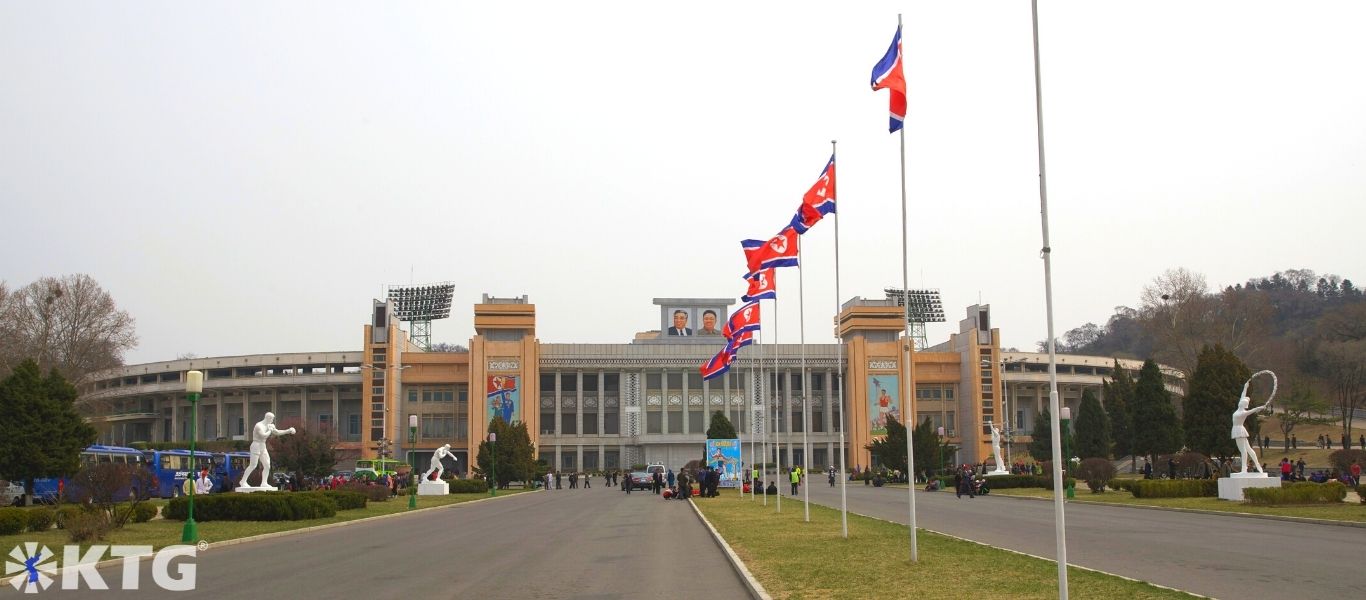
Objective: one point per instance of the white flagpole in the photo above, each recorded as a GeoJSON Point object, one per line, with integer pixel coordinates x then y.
{"type": "Point", "coordinates": [763, 393]}
{"type": "Point", "coordinates": [806, 387]}
{"type": "Point", "coordinates": [1060, 524]}
{"type": "Point", "coordinates": [906, 358]}
{"type": "Point", "coordinates": [753, 391]}
{"type": "Point", "coordinates": [839, 343]}
{"type": "Point", "coordinates": [777, 438]}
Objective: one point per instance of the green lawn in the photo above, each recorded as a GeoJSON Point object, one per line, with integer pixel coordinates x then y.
{"type": "Point", "coordinates": [161, 532]}
{"type": "Point", "coordinates": [795, 559]}
{"type": "Point", "coordinates": [1346, 511]}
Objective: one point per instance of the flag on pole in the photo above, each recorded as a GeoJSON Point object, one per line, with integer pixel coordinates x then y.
{"type": "Point", "coordinates": [778, 251]}
{"type": "Point", "coordinates": [762, 286]}
{"type": "Point", "coordinates": [818, 201]}
{"type": "Point", "coordinates": [738, 341]}
{"type": "Point", "coordinates": [887, 74]}
{"type": "Point", "coordinates": [717, 365]}
{"type": "Point", "coordinates": [745, 318]}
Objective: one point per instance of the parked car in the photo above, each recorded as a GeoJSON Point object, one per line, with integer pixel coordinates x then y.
{"type": "Point", "coordinates": [641, 480]}
{"type": "Point", "coordinates": [11, 493]}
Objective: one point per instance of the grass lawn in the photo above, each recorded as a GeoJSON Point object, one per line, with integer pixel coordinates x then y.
{"type": "Point", "coordinates": [161, 532]}
{"type": "Point", "coordinates": [795, 559]}
{"type": "Point", "coordinates": [1345, 511]}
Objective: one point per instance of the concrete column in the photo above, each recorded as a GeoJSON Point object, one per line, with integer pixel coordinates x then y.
{"type": "Point", "coordinates": [602, 407]}
{"type": "Point", "coordinates": [218, 415]}
{"type": "Point", "coordinates": [578, 457]}
{"type": "Point", "coordinates": [175, 420]}
{"type": "Point", "coordinates": [303, 405]}
{"type": "Point", "coordinates": [336, 410]}
{"type": "Point", "coordinates": [275, 400]}
{"type": "Point", "coordinates": [829, 393]}
{"type": "Point", "coordinates": [687, 410]}
{"type": "Point", "coordinates": [684, 396]}
{"type": "Point", "coordinates": [556, 428]}
{"type": "Point", "coordinates": [578, 408]}
{"type": "Point", "coordinates": [786, 376]}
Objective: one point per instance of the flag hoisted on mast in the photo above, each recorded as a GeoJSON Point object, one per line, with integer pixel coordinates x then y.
{"type": "Point", "coordinates": [839, 362]}
{"type": "Point", "coordinates": [888, 74]}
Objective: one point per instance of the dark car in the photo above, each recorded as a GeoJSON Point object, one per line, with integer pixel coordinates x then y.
{"type": "Point", "coordinates": [641, 480]}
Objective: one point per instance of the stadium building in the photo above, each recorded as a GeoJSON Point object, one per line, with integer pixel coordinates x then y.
{"type": "Point", "coordinates": [606, 406]}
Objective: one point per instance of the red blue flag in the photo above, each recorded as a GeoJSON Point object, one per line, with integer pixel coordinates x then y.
{"type": "Point", "coordinates": [778, 251]}
{"type": "Point", "coordinates": [887, 73]}
{"type": "Point", "coordinates": [762, 286]}
{"type": "Point", "coordinates": [818, 201]}
{"type": "Point", "coordinates": [745, 318]}
{"type": "Point", "coordinates": [740, 340]}
{"type": "Point", "coordinates": [717, 365]}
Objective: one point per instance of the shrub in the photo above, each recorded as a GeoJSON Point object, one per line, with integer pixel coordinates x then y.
{"type": "Point", "coordinates": [13, 521]}
{"type": "Point", "coordinates": [1175, 488]}
{"type": "Point", "coordinates": [66, 512]}
{"type": "Point", "coordinates": [142, 512]}
{"type": "Point", "coordinates": [41, 519]}
{"type": "Point", "coordinates": [345, 500]}
{"type": "Point", "coordinates": [87, 526]}
{"type": "Point", "coordinates": [1343, 459]}
{"type": "Point", "coordinates": [373, 493]}
{"type": "Point", "coordinates": [1002, 482]}
{"type": "Point", "coordinates": [258, 506]}
{"type": "Point", "coordinates": [1361, 493]}
{"type": "Point", "coordinates": [469, 486]}
{"type": "Point", "coordinates": [1126, 485]}
{"type": "Point", "coordinates": [1097, 472]}
{"type": "Point", "coordinates": [1303, 492]}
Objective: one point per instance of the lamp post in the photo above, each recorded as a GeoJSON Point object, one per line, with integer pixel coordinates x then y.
{"type": "Point", "coordinates": [194, 386]}
{"type": "Point", "coordinates": [943, 446]}
{"type": "Point", "coordinates": [1065, 420]}
{"type": "Point", "coordinates": [412, 439]}
{"type": "Point", "coordinates": [493, 448]}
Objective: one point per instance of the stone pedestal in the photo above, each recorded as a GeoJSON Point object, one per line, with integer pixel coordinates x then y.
{"type": "Point", "coordinates": [995, 473]}
{"type": "Point", "coordinates": [433, 488]}
{"type": "Point", "coordinates": [1231, 487]}
{"type": "Point", "coordinates": [246, 489]}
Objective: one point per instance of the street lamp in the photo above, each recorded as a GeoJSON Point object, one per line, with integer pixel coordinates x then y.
{"type": "Point", "coordinates": [412, 437]}
{"type": "Point", "coordinates": [493, 448]}
{"type": "Point", "coordinates": [1065, 419]}
{"type": "Point", "coordinates": [194, 386]}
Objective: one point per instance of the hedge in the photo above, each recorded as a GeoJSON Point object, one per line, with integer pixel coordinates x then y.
{"type": "Point", "coordinates": [258, 506]}
{"type": "Point", "coordinates": [468, 486]}
{"type": "Point", "coordinates": [345, 500]}
{"type": "Point", "coordinates": [67, 512]}
{"type": "Point", "coordinates": [373, 493]}
{"type": "Point", "coordinates": [143, 512]}
{"type": "Point", "coordinates": [1175, 488]}
{"type": "Point", "coordinates": [41, 519]}
{"type": "Point", "coordinates": [13, 521]}
{"type": "Point", "coordinates": [1302, 492]}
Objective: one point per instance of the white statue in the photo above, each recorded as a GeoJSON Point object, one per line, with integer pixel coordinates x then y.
{"type": "Point", "coordinates": [437, 467]}
{"type": "Point", "coordinates": [996, 449]}
{"type": "Point", "coordinates": [259, 434]}
{"type": "Point", "coordinates": [1239, 433]}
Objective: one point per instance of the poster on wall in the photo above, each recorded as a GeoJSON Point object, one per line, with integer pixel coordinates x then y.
{"type": "Point", "coordinates": [724, 456]}
{"type": "Point", "coordinates": [680, 322]}
{"type": "Point", "coordinates": [504, 398]}
{"type": "Point", "coordinates": [882, 402]}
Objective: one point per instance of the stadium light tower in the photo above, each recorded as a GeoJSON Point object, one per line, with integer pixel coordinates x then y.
{"type": "Point", "coordinates": [420, 305]}
{"type": "Point", "coordinates": [926, 307]}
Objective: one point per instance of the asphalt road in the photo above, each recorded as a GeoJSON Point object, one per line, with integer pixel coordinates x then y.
{"type": "Point", "coordinates": [1221, 556]}
{"type": "Point", "coordinates": [594, 543]}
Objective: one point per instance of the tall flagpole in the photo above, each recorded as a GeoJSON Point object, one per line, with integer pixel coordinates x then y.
{"type": "Point", "coordinates": [806, 387]}
{"type": "Point", "coordinates": [906, 340]}
{"type": "Point", "coordinates": [1060, 524]}
{"type": "Point", "coordinates": [754, 436]}
{"type": "Point", "coordinates": [839, 364]}
{"type": "Point", "coordinates": [777, 439]}
{"type": "Point", "coordinates": [763, 393]}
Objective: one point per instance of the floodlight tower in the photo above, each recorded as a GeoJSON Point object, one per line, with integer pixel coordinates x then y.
{"type": "Point", "coordinates": [420, 305]}
{"type": "Point", "coordinates": [926, 307]}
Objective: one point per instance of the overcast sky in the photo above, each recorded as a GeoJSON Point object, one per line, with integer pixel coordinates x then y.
{"type": "Point", "coordinates": [245, 177]}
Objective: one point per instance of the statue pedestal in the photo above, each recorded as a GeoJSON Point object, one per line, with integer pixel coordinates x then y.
{"type": "Point", "coordinates": [995, 473]}
{"type": "Point", "coordinates": [1231, 487]}
{"type": "Point", "coordinates": [246, 489]}
{"type": "Point", "coordinates": [433, 488]}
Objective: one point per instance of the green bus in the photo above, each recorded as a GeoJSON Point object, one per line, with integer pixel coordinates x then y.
{"type": "Point", "coordinates": [377, 467]}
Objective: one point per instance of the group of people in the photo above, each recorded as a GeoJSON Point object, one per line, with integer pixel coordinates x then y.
{"type": "Point", "coordinates": [555, 480]}
{"type": "Point", "coordinates": [1294, 471]}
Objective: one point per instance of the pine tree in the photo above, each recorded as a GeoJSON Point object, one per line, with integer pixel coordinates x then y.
{"type": "Point", "coordinates": [1213, 396]}
{"type": "Point", "coordinates": [514, 450]}
{"type": "Point", "coordinates": [1157, 429]}
{"type": "Point", "coordinates": [1093, 428]}
{"type": "Point", "coordinates": [1119, 395]}
{"type": "Point", "coordinates": [890, 451]}
{"type": "Point", "coordinates": [721, 427]}
{"type": "Point", "coordinates": [1041, 446]}
{"type": "Point", "coordinates": [929, 450]}
{"type": "Point", "coordinates": [41, 435]}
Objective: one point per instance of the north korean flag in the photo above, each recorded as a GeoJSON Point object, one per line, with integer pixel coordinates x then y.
{"type": "Point", "coordinates": [717, 365]}
{"type": "Point", "coordinates": [745, 318]}
{"type": "Point", "coordinates": [778, 251]}
{"type": "Point", "coordinates": [742, 339]}
{"type": "Point", "coordinates": [762, 286]}
{"type": "Point", "coordinates": [818, 201]}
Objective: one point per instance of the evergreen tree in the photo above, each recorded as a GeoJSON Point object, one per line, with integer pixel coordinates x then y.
{"type": "Point", "coordinates": [1093, 428]}
{"type": "Point", "coordinates": [929, 450]}
{"type": "Point", "coordinates": [1041, 444]}
{"type": "Point", "coordinates": [1211, 400]}
{"type": "Point", "coordinates": [890, 451]}
{"type": "Point", "coordinates": [1157, 430]}
{"type": "Point", "coordinates": [721, 427]}
{"type": "Point", "coordinates": [1119, 395]}
{"type": "Point", "coordinates": [41, 435]}
{"type": "Point", "coordinates": [515, 452]}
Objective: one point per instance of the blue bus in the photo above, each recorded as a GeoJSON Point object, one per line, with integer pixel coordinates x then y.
{"type": "Point", "coordinates": [170, 468]}
{"type": "Point", "coordinates": [46, 489]}
{"type": "Point", "coordinates": [228, 468]}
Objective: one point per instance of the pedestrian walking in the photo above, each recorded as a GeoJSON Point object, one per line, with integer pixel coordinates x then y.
{"type": "Point", "coordinates": [559, 480]}
{"type": "Point", "coordinates": [587, 481]}
{"type": "Point", "coordinates": [795, 477]}
{"type": "Point", "coordinates": [573, 480]}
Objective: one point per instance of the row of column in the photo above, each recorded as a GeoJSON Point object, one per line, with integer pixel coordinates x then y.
{"type": "Point", "coordinates": [246, 411]}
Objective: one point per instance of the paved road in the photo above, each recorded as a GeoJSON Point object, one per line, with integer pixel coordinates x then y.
{"type": "Point", "coordinates": [1221, 556]}
{"type": "Point", "coordinates": [594, 543]}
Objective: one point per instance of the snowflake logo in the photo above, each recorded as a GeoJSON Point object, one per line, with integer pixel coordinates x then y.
{"type": "Point", "coordinates": [33, 564]}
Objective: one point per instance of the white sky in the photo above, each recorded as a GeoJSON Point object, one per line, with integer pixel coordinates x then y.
{"type": "Point", "coordinates": [245, 177]}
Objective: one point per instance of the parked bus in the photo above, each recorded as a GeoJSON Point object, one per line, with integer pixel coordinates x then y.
{"type": "Point", "coordinates": [228, 468]}
{"type": "Point", "coordinates": [378, 467]}
{"type": "Point", "coordinates": [171, 468]}
{"type": "Point", "coordinates": [46, 489]}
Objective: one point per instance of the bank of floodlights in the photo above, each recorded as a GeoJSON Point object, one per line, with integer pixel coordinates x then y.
{"type": "Point", "coordinates": [422, 302]}
{"type": "Point", "coordinates": [926, 306]}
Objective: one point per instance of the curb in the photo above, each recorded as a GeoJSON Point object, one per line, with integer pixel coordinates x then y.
{"type": "Point", "coordinates": [202, 545]}
{"type": "Point", "coordinates": [1202, 511]}
{"type": "Point", "coordinates": [756, 589]}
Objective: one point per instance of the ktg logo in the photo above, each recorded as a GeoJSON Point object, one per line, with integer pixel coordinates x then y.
{"type": "Point", "coordinates": [32, 568]}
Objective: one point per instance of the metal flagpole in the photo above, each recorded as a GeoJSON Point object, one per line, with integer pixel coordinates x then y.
{"type": "Point", "coordinates": [806, 387]}
{"type": "Point", "coordinates": [906, 358]}
{"type": "Point", "coordinates": [839, 343]}
{"type": "Point", "coordinates": [1060, 525]}
{"type": "Point", "coordinates": [777, 439]}
{"type": "Point", "coordinates": [753, 391]}
{"type": "Point", "coordinates": [763, 393]}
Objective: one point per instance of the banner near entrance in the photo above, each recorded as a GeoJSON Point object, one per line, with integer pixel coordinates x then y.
{"type": "Point", "coordinates": [724, 456]}
{"type": "Point", "coordinates": [882, 402]}
{"type": "Point", "coordinates": [504, 398]}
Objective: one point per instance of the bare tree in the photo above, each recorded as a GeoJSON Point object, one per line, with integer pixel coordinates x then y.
{"type": "Point", "coordinates": [68, 323]}
{"type": "Point", "coordinates": [1183, 318]}
{"type": "Point", "coordinates": [1343, 366]}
